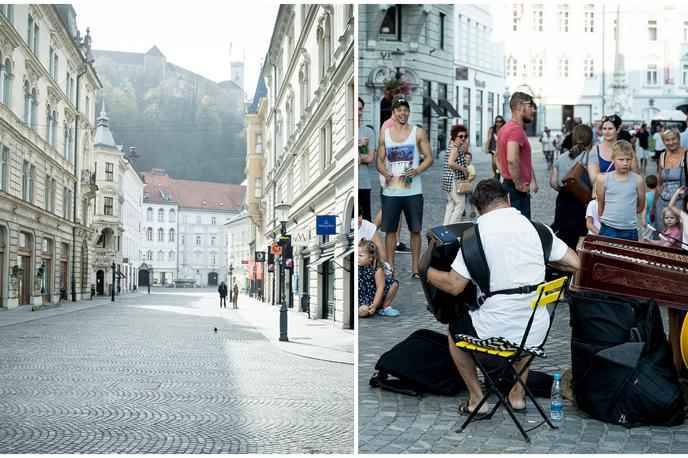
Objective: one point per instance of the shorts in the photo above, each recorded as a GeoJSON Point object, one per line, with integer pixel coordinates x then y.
{"type": "Point", "coordinates": [462, 324]}
{"type": "Point", "coordinates": [392, 206]}
{"type": "Point", "coordinates": [643, 153]}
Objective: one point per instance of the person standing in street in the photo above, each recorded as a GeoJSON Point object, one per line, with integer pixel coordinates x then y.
{"type": "Point", "coordinates": [643, 149]}
{"type": "Point", "coordinates": [223, 294]}
{"type": "Point", "coordinates": [548, 147]}
{"type": "Point", "coordinates": [514, 153]}
{"type": "Point", "coordinates": [401, 146]}
{"type": "Point", "coordinates": [366, 155]}
{"type": "Point", "coordinates": [659, 143]}
{"type": "Point", "coordinates": [235, 296]}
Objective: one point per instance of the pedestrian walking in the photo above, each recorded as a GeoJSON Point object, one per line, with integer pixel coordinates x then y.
{"type": "Point", "coordinates": [491, 143]}
{"type": "Point", "coordinates": [643, 148]}
{"type": "Point", "coordinates": [513, 149]}
{"type": "Point", "coordinates": [235, 296]}
{"type": "Point", "coordinates": [401, 145]}
{"type": "Point", "coordinates": [222, 289]}
{"type": "Point", "coordinates": [547, 141]}
{"type": "Point", "coordinates": [455, 169]}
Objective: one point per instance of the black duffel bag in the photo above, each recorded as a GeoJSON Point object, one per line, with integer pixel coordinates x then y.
{"type": "Point", "coordinates": [622, 367]}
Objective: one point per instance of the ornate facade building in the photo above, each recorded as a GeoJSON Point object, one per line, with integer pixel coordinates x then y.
{"type": "Point", "coordinates": [302, 135]}
{"type": "Point", "coordinates": [47, 95]}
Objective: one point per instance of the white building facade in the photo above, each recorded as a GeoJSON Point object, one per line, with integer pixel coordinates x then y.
{"type": "Point", "coordinates": [47, 93]}
{"type": "Point", "coordinates": [203, 247]}
{"type": "Point", "coordinates": [132, 221]}
{"type": "Point", "coordinates": [479, 79]}
{"type": "Point", "coordinates": [646, 58]}
{"type": "Point", "coordinates": [160, 244]}
{"type": "Point", "coordinates": [308, 164]}
{"type": "Point", "coordinates": [239, 232]}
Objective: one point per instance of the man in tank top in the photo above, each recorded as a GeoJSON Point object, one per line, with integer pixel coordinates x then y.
{"type": "Point", "coordinates": [401, 146]}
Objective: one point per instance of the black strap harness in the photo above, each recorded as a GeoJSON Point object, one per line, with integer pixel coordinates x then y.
{"type": "Point", "coordinates": [476, 262]}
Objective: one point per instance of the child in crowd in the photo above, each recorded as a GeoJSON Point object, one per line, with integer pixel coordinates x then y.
{"type": "Point", "coordinates": [592, 215]}
{"type": "Point", "coordinates": [651, 184]}
{"type": "Point", "coordinates": [681, 212]}
{"type": "Point", "coordinates": [620, 195]}
{"type": "Point", "coordinates": [671, 235]}
{"type": "Point", "coordinates": [471, 177]}
{"type": "Point", "coordinates": [376, 291]}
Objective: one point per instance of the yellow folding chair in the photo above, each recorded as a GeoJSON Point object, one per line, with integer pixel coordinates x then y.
{"type": "Point", "coordinates": [500, 347]}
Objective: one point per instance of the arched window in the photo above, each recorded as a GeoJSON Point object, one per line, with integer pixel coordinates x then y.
{"type": "Point", "coordinates": [67, 142]}
{"type": "Point", "coordinates": [324, 45]}
{"type": "Point", "coordinates": [161, 256]}
{"type": "Point", "coordinates": [49, 125]}
{"type": "Point", "coordinates": [161, 235]}
{"type": "Point", "coordinates": [149, 234]}
{"type": "Point", "coordinates": [171, 235]}
{"type": "Point", "coordinates": [161, 215]}
{"type": "Point", "coordinates": [150, 255]}
{"type": "Point", "coordinates": [172, 216]}
{"type": "Point", "coordinates": [27, 103]}
{"type": "Point", "coordinates": [290, 116]}
{"type": "Point", "coordinates": [34, 108]}
{"type": "Point", "coordinates": [149, 214]}
{"type": "Point", "coordinates": [170, 256]}
{"type": "Point", "coordinates": [5, 86]}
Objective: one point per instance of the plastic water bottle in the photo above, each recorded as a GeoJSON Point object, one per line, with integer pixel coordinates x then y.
{"type": "Point", "coordinates": [557, 406]}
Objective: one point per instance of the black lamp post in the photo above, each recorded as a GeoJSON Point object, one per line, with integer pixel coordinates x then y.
{"type": "Point", "coordinates": [282, 212]}
{"type": "Point", "coordinates": [112, 287]}
{"type": "Point", "coordinates": [150, 276]}
{"type": "Point", "coordinates": [397, 58]}
{"type": "Point", "coordinates": [229, 287]}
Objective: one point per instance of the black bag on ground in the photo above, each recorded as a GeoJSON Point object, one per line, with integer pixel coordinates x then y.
{"type": "Point", "coordinates": [421, 363]}
{"type": "Point", "coordinates": [622, 367]}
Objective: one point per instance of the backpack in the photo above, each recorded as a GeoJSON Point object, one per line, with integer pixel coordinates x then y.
{"type": "Point", "coordinates": [476, 262]}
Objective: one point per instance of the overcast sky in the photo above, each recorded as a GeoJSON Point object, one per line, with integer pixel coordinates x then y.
{"type": "Point", "coordinates": [193, 35]}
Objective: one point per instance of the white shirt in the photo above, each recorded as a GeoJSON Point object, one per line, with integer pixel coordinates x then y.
{"type": "Point", "coordinates": [594, 212]}
{"type": "Point", "coordinates": [514, 254]}
{"type": "Point", "coordinates": [659, 144]}
{"type": "Point", "coordinates": [684, 139]}
{"type": "Point", "coordinates": [366, 230]}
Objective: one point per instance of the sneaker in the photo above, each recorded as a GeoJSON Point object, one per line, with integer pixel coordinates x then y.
{"type": "Point", "coordinates": [401, 248]}
{"type": "Point", "coordinates": [389, 311]}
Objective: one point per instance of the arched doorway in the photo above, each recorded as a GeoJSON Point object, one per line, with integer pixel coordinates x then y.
{"type": "Point", "coordinates": [100, 283]}
{"type": "Point", "coordinates": [212, 279]}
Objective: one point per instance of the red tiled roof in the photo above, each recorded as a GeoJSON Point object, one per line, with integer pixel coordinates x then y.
{"type": "Point", "coordinates": [193, 194]}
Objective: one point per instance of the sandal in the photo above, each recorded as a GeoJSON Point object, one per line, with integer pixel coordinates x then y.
{"type": "Point", "coordinates": [463, 410]}
{"type": "Point", "coordinates": [522, 409]}
{"type": "Point", "coordinates": [415, 276]}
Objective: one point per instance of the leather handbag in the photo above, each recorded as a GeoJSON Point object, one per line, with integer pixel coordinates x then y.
{"type": "Point", "coordinates": [577, 182]}
{"type": "Point", "coordinates": [463, 186]}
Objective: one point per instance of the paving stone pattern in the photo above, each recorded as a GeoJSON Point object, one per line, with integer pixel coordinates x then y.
{"type": "Point", "coordinates": [151, 376]}
{"type": "Point", "coordinates": [395, 423]}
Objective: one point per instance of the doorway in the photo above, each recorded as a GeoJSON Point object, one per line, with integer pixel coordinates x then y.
{"type": "Point", "coordinates": [212, 279]}
{"type": "Point", "coordinates": [100, 283]}
{"type": "Point", "coordinates": [328, 307]}
{"type": "Point", "coordinates": [25, 280]}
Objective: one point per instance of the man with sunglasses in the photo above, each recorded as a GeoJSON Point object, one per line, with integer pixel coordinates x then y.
{"type": "Point", "coordinates": [514, 152]}
{"type": "Point", "coordinates": [401, 145]}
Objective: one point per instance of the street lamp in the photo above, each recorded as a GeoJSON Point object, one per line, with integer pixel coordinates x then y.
{"type": "Point", "coordinates": [397, 60]}
{"type": "Point", "coordinates": [150, 276]}
{"type": "Point", "coordinates": [112, 287]}
{"type": "Point", "coordinates": [231, 269]}
{"type": "Point", "coordinates": [282, 213]}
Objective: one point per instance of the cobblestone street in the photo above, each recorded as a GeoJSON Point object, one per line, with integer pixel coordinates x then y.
{"type": "Point", "coordinates": [395, 423]}
{"type": "Point", "coordinates": [148, 374]}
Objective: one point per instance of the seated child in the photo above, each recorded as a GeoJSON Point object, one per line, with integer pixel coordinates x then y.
{"type": "Point", "coordinates": [376, 291]}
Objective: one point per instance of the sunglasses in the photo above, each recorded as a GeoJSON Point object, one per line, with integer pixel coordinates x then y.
{"type": "Point", "coordinates": [499, 121]}
{"type": "Point", "coordinates": [461, 136]}
{"type": "Point", "coordinates": [612, 118]}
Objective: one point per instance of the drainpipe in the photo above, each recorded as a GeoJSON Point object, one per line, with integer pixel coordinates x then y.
{"type": "Point", "coordinates": [76, 181]}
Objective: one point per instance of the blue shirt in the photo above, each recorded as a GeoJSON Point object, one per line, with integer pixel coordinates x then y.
{"type": "Point", "coordinates": [684, 138]}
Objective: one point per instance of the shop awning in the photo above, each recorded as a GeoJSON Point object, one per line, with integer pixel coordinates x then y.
{"type": "Point", "coordinates": [339, 258]}
{"type": "Point", "coordinates": [321, 259]}
{"type": "Point", "coordinates": [429, 103]}
{"type": "Point", "coordinates": [444, 103]}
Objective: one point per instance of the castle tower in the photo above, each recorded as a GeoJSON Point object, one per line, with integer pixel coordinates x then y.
{"type": "Point", "coordinates": [237, 69]}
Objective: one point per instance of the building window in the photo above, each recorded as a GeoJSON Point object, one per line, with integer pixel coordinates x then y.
{"type": "Point", "coordinates": [32, 35]}
{"type": "Point", "coordinates": [651, 75]}
{"type": "Point", "coordinates": [390, 28]}
{"type": "Point", "coordinates": [326, 143]}
{"type": "Point", "coordinates": [171, 236]}
{"type": "Point", "coordinates": [67, 142]}
{"type": "Point", "coordinates": [563, 14]}
{"type": "Point", "coordinates": [325, 45]}
{"type": "Point", "coordinates": [170, 256]}
{"type": "Point", "coordinates": [291, 125]}
{"type": "Point", "coordinates": [213, 239]}
{"type": "Point", "coordinates": [69, 87]}
{"type": "Point", "coordinates": [516, 13]}
{"type": "Point", "coordinates": [150, 255]}
{"type": "Point", "coordinates": [563, 67]}
{"type": "Point", "coordinates": [161, 235]}
{"type": "Point", "coordinates": [538, 65]}
{"type": "Point", "coordinates": [442, 20]}
{"type": "Point", "coordinates": [66, 202]}
{"type": "Point", "coordinates": [25, 180]}
{"type": "Point", "coordinates": [149, 215]}
{"type": "Point", "coordinates": [161, 215]}
{"type": "Point", "coordinates": [198, 220]}
{"type": "Point", "coordinates": [684, 75]}
{"type": "Point", "coordinates": [107, 209]}
{"type": "Point", "coordinates": [478, 117]}
{"type": "Point", "coordinates": [7, 10]}
{"type": "Point", "coordinates": [109, 171]}
{"type": "Point", "coordinates": [198, 240]}
{"type": "Point", "coordinates": [537, 18]}
{"type": "Point", "coordinates": [5, 80]}
{"type": "Point", "coordinates": [161, 256]}
{"type": "Point", "coordinates": [198, 260]}
{"type": "Point", "coordinates": [511, 66]}
{"type": "Point", "coordinates": [53, 63]}
{"type": "Point", "coordinates": [304, 89]}
{"type": "Point", "coordinates": [490, 107]}
{"type": "Point", "coordinates": [589, 68]}
{"type": "Point", "coordinates": [213, 220]}
{"type": "Point", "coordinates": [182, 240]}
{"type": "Point", "coordinates": [258, 188]}
{"type": "Point", "coordinates": [259, 143]}
{"type": "Point", "coordinates": [46, 195]}
{"type": "Point", "coordinates": [172, 216]}
{"type": "Point", "coordinates": [149, 234]}
{"type": "Point", "coordinates": [4, 168]}
{"type": "Point", "coordinates": [589, 19]}
{"type": "Point", "coordinates": [652, 30]}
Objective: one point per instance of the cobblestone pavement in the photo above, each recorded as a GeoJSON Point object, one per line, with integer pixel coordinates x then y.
{"type": "Point", "coordinates": [150, 375]}
{"type": "Point", "coordinates": [394, 423]}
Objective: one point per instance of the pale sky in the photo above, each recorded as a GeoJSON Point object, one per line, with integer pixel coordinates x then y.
{"type": "Point", "coordinates": [193, 35]}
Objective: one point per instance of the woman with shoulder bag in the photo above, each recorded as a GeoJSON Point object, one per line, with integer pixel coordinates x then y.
{"type": "Point", "coordinates": [455, 169]}
{"type": "Point", "coordinates": [569, 212]}
{"type": "Point", "coordinates": [671, 174]}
